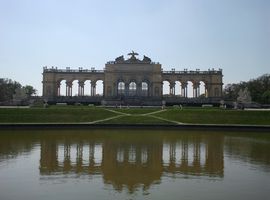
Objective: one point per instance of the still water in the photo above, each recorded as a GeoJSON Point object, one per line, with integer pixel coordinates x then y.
{"type": "Point", "coordinates": [138, 164]}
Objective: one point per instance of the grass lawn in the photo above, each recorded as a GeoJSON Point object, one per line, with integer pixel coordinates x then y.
{"type": "Point", "coordinates": [73, 114]}
{"type": "Point", "coordinates": [53, 114]}
{"type": "Point", "coordinates": [216, 116]}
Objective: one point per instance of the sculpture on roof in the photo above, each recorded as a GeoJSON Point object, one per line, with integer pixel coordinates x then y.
{"type": "Point", "coordinates": [146, 59]}
{"type": "Point", "coordinates": [133, 59]}
{"type": "Point", "coordinates": [133, 54]}
{"type": "Point", "coordinates": [120, 59]}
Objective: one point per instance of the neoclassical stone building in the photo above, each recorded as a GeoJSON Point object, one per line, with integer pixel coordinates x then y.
{"type": "Point", "coordinates": [132, 81]}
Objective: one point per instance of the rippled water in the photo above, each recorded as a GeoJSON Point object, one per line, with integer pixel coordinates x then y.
{"type": "Point", "coordinates": [138, 164]}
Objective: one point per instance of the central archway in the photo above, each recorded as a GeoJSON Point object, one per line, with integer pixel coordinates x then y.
{"type": "Point", "coordinates": [144, 89]}
{"type": "Point", "coordinates": [132, 88]}
{"type": "Point", "coordinates": [121, 88]}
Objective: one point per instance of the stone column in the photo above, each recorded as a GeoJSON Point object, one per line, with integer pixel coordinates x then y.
{"type": "Point", "coordinates": [68, 88]}
{"type": "Point", "coordinates": [150, 90]}
{"type": "Point", "coordinates": [207, 90]}
{"type": "Point", "coordinates": [90, 88]}
{"type": "Point", "coordinates": [126, 89]}
{"type": "Point", "coordinates": [172, 89]}
{"type": "Point", "coordinates": [93, 89]}
{"type": "Point", "coordinates": [58, 88]}
{"type": "Point", "coordinates": [196, 90]}
{"type": "Point", "coordinates": [184, 90]}
{"type": "Point", "coordinates": [81, 88]}
{"type": "Point", "coordinates": [139, 89]}
{"type": "Point", "coordinates": [114, 89]}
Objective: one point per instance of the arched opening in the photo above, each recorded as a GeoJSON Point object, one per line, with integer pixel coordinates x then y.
{"type": "Point", "coordinates": [202, 90]}
{"type": "Point", "coordinates": [177, 88]}
{"type": "Point", "coordinates": [99, 88]}
{"type": "Point", "coordinates": [75, 88]}
{"type": "Point", "coordinates": [121, 88]}
{"type": "Point", "coordinates": [87, 88]}
{"type": "Point", "coordinates": [166, 88]}
{"type": "Point", "coordinates": [190, 89]}
{"type": "Point", "coordinates": [62, 88]}
{"type": "Point", "coordinates": [144, 89]}
{"type": "Point", "coordinates": [132, 89]}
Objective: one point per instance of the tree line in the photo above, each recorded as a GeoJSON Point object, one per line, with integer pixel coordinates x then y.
{"type": "Point", "coordinates": [258, 88]}
{"type": "Point", "coordinates": [8, 89]}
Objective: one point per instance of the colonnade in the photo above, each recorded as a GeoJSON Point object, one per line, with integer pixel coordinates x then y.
{"type": "Point", "coordinates": [140, 89]}
{"type": "Point", "coordinates": [81, 90]}
{"type": "Point", "coordinates": [186, 155]}
{"type": "Point", "coordinates": [182, 154]}
{"type": "Point", "coordinates": [184, 89]}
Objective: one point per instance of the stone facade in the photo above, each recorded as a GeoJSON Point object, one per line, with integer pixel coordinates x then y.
{"type": "Point", "coordinates": [131, 81]}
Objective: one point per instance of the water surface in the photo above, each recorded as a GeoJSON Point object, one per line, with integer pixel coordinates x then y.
{"type": "Point", "coordinates": [138, 164]}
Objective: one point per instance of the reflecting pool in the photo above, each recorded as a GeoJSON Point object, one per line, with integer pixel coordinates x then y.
{"type": "Point", "coordinates": [134, 164]}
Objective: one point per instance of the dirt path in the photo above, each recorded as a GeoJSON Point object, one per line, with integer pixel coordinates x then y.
{"type": "Point", "coordinates": [106, 119]}
{"type": "Point", "coordinates": [122, 114]}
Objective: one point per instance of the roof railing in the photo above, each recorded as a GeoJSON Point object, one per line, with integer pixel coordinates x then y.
{"type": "Point", "coordinates": [67, 70]}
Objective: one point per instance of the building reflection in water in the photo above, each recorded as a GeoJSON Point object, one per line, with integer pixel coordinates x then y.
{"type": "Point", "coordinates": [132, 163]}
{"type": "Point", "coordinates": [134, 159]}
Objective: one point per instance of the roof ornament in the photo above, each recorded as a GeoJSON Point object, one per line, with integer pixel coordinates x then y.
{"type": "Point", "coordinates": [132, 59]}
{"type": "Point", "coordinates": [120, 59]}
{"type": "Point", "coordinates": [133, 56]}
{"type": "Point", "coordinates": [146, 59]}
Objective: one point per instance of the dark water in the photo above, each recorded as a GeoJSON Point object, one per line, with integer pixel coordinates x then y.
{"type": "Point", "coordinates": [124, 164]}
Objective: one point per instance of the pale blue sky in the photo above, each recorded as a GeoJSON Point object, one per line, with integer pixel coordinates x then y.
{"type": "Point", "coordinates": [230, 34]}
